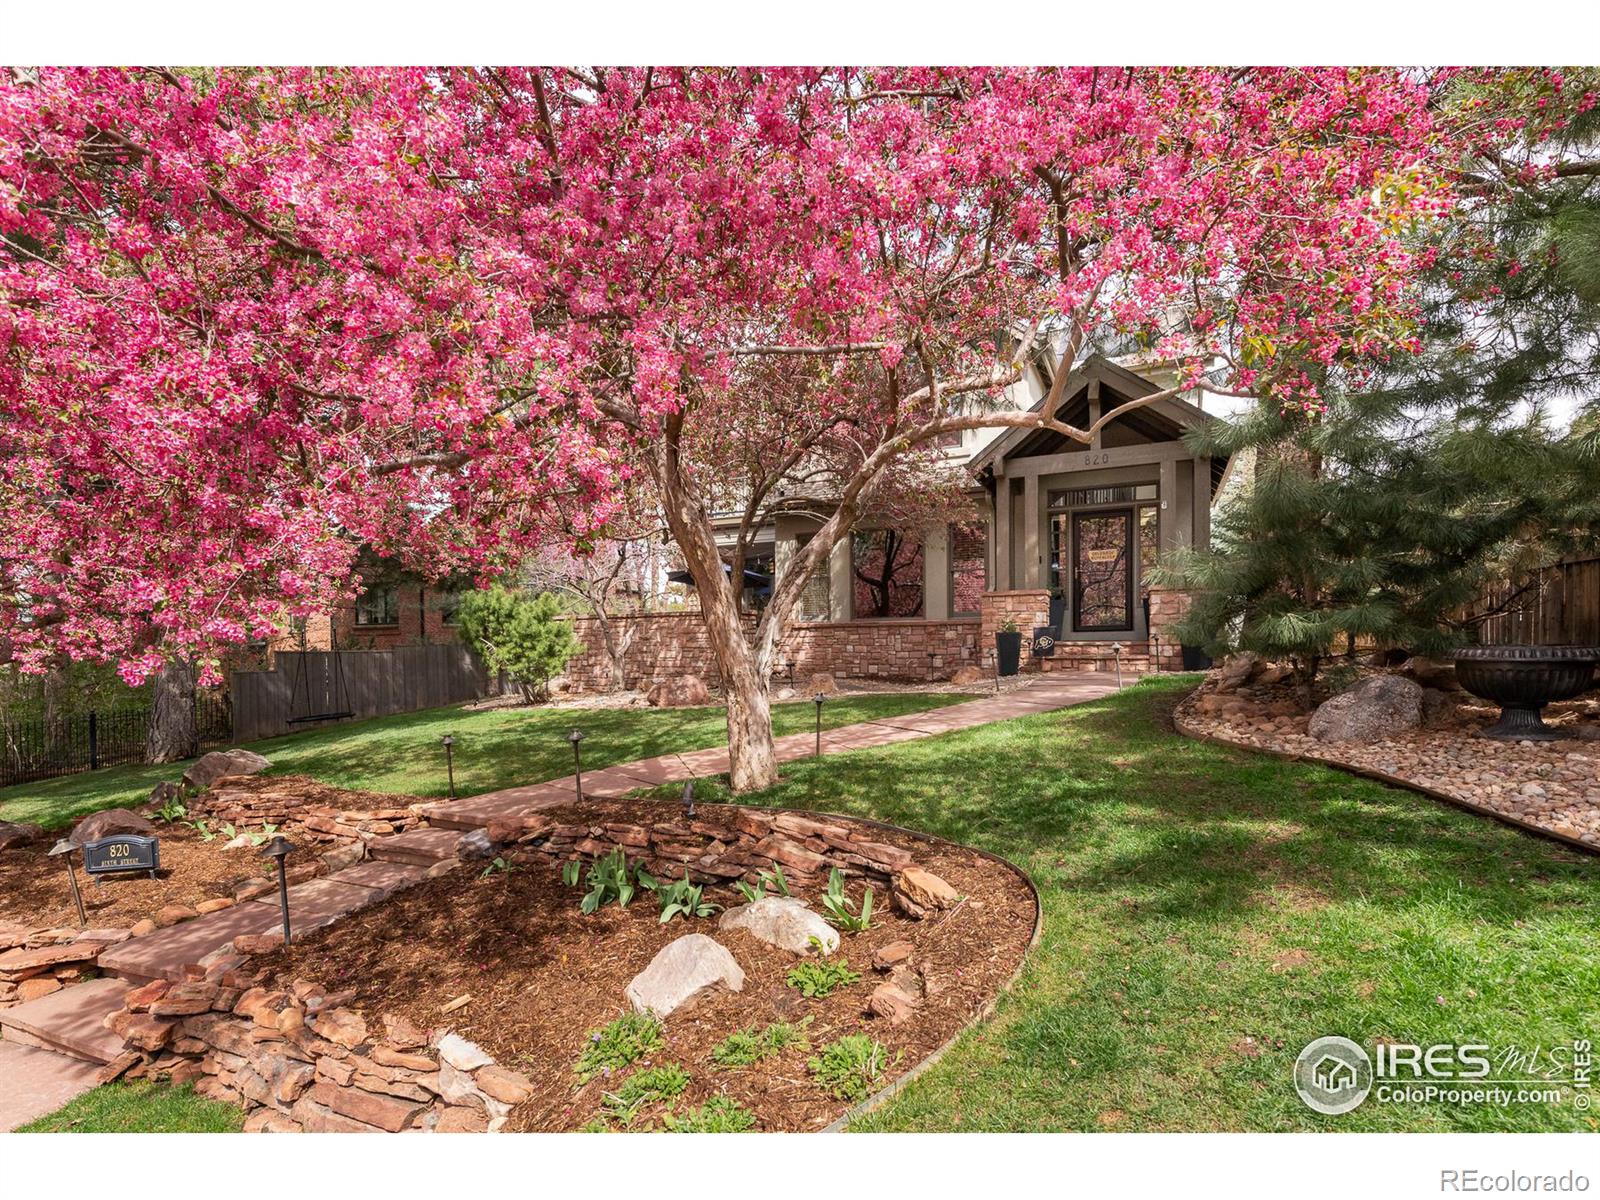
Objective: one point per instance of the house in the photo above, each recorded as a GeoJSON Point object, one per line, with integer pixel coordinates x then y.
{"type": "Point", "coordinates": [394, 609]}
{"type": "Point", "coordinates": [1065, 536]}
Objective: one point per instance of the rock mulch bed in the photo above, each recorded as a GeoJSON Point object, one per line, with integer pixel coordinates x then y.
{"type": "Point", "coordinates": [1552, 786]}
{"type": "Point", "coordinates": [508, 960]}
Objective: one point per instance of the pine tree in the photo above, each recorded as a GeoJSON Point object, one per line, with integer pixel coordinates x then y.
{"type": "Point", "coordinates": [1385, 517]}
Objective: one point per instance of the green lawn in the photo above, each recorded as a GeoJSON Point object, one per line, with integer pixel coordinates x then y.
{"type": "Point", "coordinates": [139, 1108]}
{"type": "Point", "coordinates": [1196, 897]}
{"type": "Point", "coordinates": [495, 748]}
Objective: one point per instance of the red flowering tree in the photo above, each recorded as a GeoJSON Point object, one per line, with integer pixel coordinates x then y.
{"type": "Point", "coordinates": [251, 316]}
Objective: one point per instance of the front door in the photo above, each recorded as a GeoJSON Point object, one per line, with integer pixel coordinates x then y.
{"type": "Point", "coordinates": [1102, 571]}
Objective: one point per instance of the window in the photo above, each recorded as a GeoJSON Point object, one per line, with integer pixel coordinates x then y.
{"type": "Point", "coordinates": [815, 598]}
{"type": "Point", "coordinates": [1095, 497]}
{"type": "Point", "coordinates": [968, 577]}
{"type": "Point", "coordinates": [378, 606]}
{"type": "Point", "coordinates": [1149, 544]}
{"type": "Point", "coordinates": [888, 570]}
{"type": "Point", "coordinates": [449, 608]}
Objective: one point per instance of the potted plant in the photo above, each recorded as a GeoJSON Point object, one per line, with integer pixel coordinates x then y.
{"type": "Point", "coordinates": [1008, 646]}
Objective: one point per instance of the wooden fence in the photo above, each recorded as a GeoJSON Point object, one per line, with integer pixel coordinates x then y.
{"type": "Point", "coordinates": [1560, 606]}
{"type": "Point", "coordinates": [311, 688]}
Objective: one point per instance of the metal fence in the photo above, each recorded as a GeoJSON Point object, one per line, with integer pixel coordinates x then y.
{"type": "Point", "coordinates": [307, 689]}
{"type": "Point", "coordinates": [1558, 606]}
{"type": "Point", "coordinates": [42, 748]}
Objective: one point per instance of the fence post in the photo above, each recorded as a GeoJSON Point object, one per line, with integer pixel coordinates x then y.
{"type": "Point", "coordinates": [94, 743]}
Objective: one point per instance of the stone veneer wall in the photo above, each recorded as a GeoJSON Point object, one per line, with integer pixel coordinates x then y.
{"type": "Point", "coordinates": [667, 645]}
{"type": "Point", "coordinates": [1028, 607]}
{"type": "Point", "coordinates": [1168, 606]}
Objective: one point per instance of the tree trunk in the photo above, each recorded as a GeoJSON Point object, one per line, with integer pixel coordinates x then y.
{"type": "Point", "coordinates": [615, 648]}
{"type": "Point", "coordinates": [171, 734]}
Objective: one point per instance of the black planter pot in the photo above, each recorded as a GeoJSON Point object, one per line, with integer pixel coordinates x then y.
{"type": "Point", "coordinates": [1195, 659]}
{"type": "Point", "coordinates": [1058, 613]}
{"type": "Point", "coordinates": [1522, 680]}
{"type": "Point", "coordinates": [1008, 651]}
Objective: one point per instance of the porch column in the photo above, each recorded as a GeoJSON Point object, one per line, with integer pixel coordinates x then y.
{"type": "Point", "coordinates": [1002, 534]}
{"type": "Point", "coordinates": [1171, 513]}
{"type": "Point", "coordinates": [1202, 503]}
{"type": "Point", "coordinates": [936, 573]}
{"type": "Point", "coordinates": [841, 589]}
{"type": "Point", "coordinates": [1030, 574]}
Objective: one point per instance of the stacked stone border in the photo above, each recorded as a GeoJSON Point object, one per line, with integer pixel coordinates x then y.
{"type": "Point", "coordinates": [298, 1060]}
{"type": "Point", "coordinates": [1183, 721]}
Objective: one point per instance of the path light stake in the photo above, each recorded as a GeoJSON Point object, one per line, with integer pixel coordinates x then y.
{"type": "Point", "coordinates": [449, 762]}
{"type": "Point", "coordinates": [575, 737]}
{"type": "Point", "coordinates": [931, 657]}
{"type": "Point", "coordinates": [1116, 650]}
{"type": "Point", "coordinates": [817, 700]}
{"type": "Point", "coordinates": [791, 665]}
{"type": "Point", "coordinates": [279, 848]}
{"type": "Point", "coordinates": [688, 798]}
{"type": "Point", "coordinates": [1156, 638]}
{"type": "Point", "coordinates": [64, 848]}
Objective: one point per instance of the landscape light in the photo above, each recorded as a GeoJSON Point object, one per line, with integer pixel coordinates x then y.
{"type": "Point", "coordinates": [575, 737]}
{"type": "Point", "coordinates": [279, 848]}
{"type": "Point", "coordinates": [817, 700]}
{"type": "Point", "coordinates": [449, 762]}
{"type": "Point", "coordinates": [64, 848]}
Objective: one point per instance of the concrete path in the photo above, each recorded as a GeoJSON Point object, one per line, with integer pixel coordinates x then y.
{"type": "Point", "coordinates": [52, 1045]}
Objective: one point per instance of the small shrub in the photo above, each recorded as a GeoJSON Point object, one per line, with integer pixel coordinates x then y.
{"type": "Point", "coordinates": [644, 1088]}
{"type": "Point", "coordinates": [497, 866]}
{"type": "Point", "coordinates": [773, 879]}
{"type": "Point", "coordinates": [610, 878]}
{"type": "Point", "coordinates": [611, 1047]}
{"type": "Point", "coordinates": [849, 1067]}
{"type": "Point", "coordinates": [679, 898]}
{"type": "Point", "coordinates": [815, 978]}
{"type": "Point", "coordinates": [171, 812]}
{"type": "Point", "coordinates": [526, 637]}
{"type": "Point", "coordinates": [748, 1047]}
{"type": "Point", "coordinates": [717, 1115]}
{"type": "Point", "coordinates": [840, 912]}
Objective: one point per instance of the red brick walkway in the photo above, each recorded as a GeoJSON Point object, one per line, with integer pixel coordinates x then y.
{"type": "Point", "coordinates": [56, 1022]}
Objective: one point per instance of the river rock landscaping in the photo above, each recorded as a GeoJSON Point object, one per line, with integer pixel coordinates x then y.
{"type": "Point", "coordinates": [1413, 726]}
{"type": "Point", "coordinates": [618, 1020]}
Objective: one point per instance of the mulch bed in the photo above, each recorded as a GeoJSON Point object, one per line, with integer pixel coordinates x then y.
{"type": "Point", "coordinates": [35, 892]}
{"type": "Point", "coordinates": [542, 975]}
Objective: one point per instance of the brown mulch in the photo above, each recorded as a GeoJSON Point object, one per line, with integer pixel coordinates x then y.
{"type": "Point", "coordinates": [34, 888]}
{"type": "Point", "coordinates": [542, 976]}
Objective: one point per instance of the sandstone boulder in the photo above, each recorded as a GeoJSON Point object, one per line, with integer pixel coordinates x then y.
{"type": "Point", "coordinates": [1236, 671]}
{"type": "Point", "coordinates": [784, 922]}
{"type": "Point", "coordinates": [13, 833]}
{"type": "Point", "coordinates": [1373, 709]}
{"type": "Point", "coordinates": [474, 845]}
{"type": "Point", "coordinates": [462, 1054]}
{"type": "Point", "coordinates": [108, 823]}
{"type": "Point", "coordinates": [681, 972]}
{"type": "Point", "coordinates": [918, 892]}
{"type": "Point", "coordinates": [686, 691]}
{"type": "Point", "coordinates": [221, 763]}
{"type": "Point", "coordinates": [822, 684]}
{"type": "Point", "coordinates": [967, 675]}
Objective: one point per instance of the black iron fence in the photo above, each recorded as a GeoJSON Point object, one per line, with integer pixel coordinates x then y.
{"type": "Point", "coordinates": [45, 748]}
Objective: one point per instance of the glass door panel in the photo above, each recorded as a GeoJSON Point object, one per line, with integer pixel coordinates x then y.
{"type": "Point", "coordinates": [1102, 570]}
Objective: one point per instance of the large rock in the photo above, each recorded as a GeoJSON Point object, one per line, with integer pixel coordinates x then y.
{"type": "Point", "coordinates": [917, 893]}
{"type": "Point", "coordinates": [822, 684]}
{"type": "Point", "coordinates": [686, 691]}
{"type": "Point", "coordinates": [109, 823]}
{"type": "Point", "coordinates": [682, 972]}
{"type": "Point", "coordinates": [1236, 671]}
{"type": "Point", "coordinates": [221, 763]}
{"type": "Point", "coordinates": [1374, 709]}
{"type": "Point", "coordinates": [13, 833]}
{"type": "Point", "coordinates": [1431, 673]}
{"type": "Point", "coordinates": [963, 676]}
{"type": "Point", "coordinates": [784, 922]}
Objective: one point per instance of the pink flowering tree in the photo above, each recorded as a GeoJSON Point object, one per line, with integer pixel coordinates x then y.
{"type": "Point", "coordinates": [252, 316]}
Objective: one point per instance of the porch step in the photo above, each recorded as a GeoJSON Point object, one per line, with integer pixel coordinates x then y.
{"type": "Point", "coordinates": [418, 848]}
{"type": "Point", "coordinates": [69, 1021]}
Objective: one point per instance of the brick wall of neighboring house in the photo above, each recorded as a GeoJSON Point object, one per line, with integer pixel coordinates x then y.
{"type": "Point", "coordinates": [418, 619]}
{"type": "Point", "coordinates": [667, 645]}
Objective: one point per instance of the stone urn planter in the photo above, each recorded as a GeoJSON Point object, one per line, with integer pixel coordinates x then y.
{"type": "Point", "coordinates": [1522, 680]}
